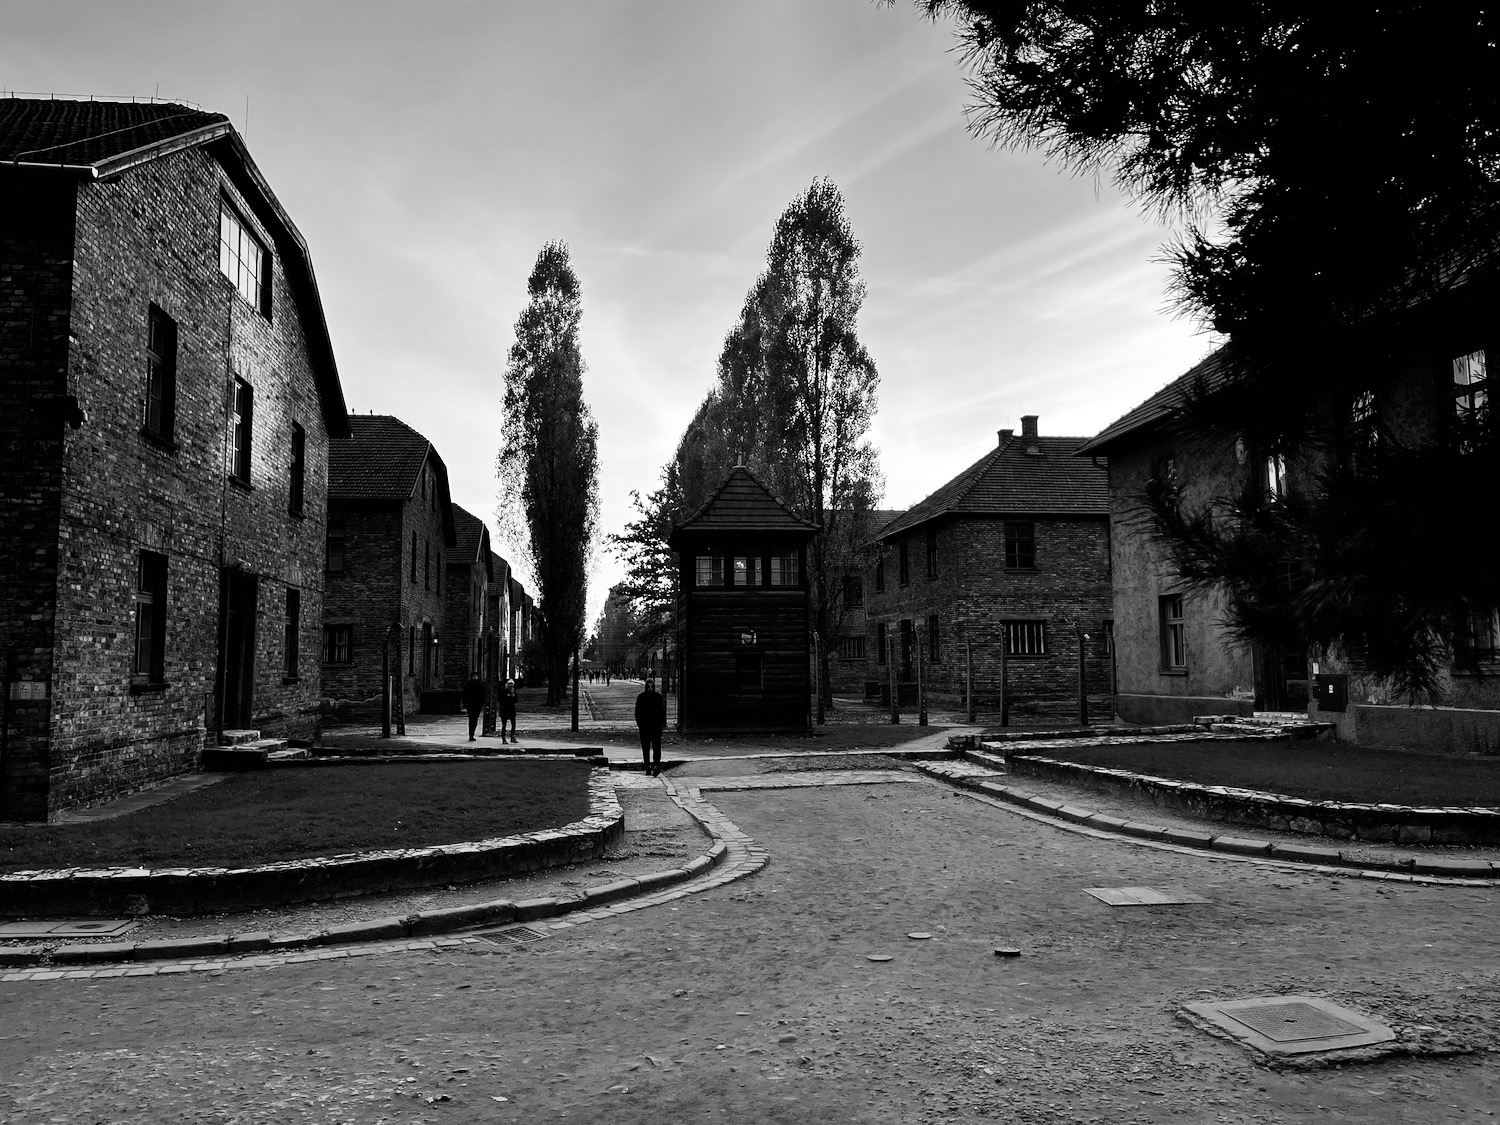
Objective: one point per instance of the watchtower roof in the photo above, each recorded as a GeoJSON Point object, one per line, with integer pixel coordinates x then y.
{"type": "Point", "coordinates": [741, 503]}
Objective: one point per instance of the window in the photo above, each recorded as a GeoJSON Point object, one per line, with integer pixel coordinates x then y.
{"type": "Point", "coordinates": [336, 540]}
{"type": "Point", "coordinates": [746, 570]}
{"type": "Point", "coordinates": [1164, 483]}
{"type": "Point", "coordinates": [426, 566]}
{"type": "Point", "coordinates": [934, 645]}
{"type": "Point", "coordinates": [1173, 634]}
{"type": "Point", "coordinates": [338, 644]}
{"type": "Point", "coordinates": [1020, 545]}
{"type": "Point", "coordinates": [851, 648]}
{"type": "Point", "coordinates": [161, 374]}
{"type": "Point", "coordinates": [413, 558]}
{"type": "Point", "coordinates": [243, 260]}
{"type": "Point", "coordinates": [932, 553]}
{"type": "Point", "coordinates": [879, 575]}
{"type": "Point", "coordinates": [785, 571]}
{"type": "Point", "coordinates": [854, 591]}
{"type": "Point", "coordinates": [710, 570]}
{"type": "Point", "coordinates": [903, 563]}
{"type": "Point", "coordinates": [243, 419]}
{"type": "Point", "coordinates": [747, 671]}
{"type": "Point", "coordinates": [149, 659]}
{"type": "Point", "coordinates": [1483, 633]}
{"type": "Point", "coordinates": [293, 633]}
{"type": "Point", "coordinates": [411, 646]}
{"type": "Point", "coordinates": [1109, 636]}
{"type": "Point", "coordinates": [1274, 470]}
{"type": "Point", "coordinates": [880, 643]}
{"type": "Point", "coordinates": [1025, 638]}
{"type": "Point", "coordinates": [1471, 386]}
{"type": "Point", "coordinates": [297, 486]}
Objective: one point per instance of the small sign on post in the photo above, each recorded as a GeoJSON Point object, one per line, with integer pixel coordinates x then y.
{"type": "Point", "coordinates": [29, 690]}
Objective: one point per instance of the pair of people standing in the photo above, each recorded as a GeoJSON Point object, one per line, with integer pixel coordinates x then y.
{"type": "Point", "coordinates": [651, 718]}
{"type": "Point", "coordinates": [474, 705]}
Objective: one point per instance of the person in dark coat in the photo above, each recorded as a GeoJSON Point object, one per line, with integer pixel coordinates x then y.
{"type": "Point", "coordinates": [508, 710]}
{"type": "Point", "coordinates": [651, 718]}
{"type": "Point", "coordinates": [474, 702]}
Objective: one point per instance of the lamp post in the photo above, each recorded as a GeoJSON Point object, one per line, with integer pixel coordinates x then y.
{"type": "Point", "coordinates": [1083, 699]}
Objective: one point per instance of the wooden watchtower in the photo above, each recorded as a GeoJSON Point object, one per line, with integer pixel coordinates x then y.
{"type": "Point", "coordinates": [742, 614]}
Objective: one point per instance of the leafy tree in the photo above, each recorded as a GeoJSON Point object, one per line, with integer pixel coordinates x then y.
{"type": "Point", "coordinates": [549, 462]}
{"type": "Point", "coordinates": [1338, 181]}
{"type": "Point", "coordinates": [651, 581]}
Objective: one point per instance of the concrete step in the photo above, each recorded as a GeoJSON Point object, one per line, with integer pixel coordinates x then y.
{"type": "Point", "coordinates": [291, 754]}
{"type": "Point", "coordinates": [251, 755]}
{"type": "Point", "coordinates": [237, 737]}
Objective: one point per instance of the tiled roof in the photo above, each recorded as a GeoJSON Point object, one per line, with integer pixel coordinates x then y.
{"type": "Point", "coordinates": [58, 131]}
{"type": "Point", "coordinates": [380, 462]}
{"type": "Point", "coordinates": [1008, 480]}
{"type": "Point", "coordinates": [1161, 407]}
{"type": "Point", "coordinates": [473, 538]}
{"type": "Point", "coordinates": [742, 503]}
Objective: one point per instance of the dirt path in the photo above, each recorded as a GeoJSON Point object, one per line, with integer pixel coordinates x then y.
{"type": "Point", "coordinates": [756, 1001]}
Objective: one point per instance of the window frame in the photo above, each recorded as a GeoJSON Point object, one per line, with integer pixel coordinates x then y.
{"type": "Point", "coordinates": [852, 648]}
{"type": "Point", "coordinates": [880, 574]}
{"type": "Point", "coordinates": [1469, 418]}
{"type": "Point", "coordinates": [1020, 544]}
{"type": "Point", "coordinates": [711, 567]}
{"type": "Point", "coordinates": [932, 552]}
{"type": "Point", "coordinates": [338, 637]}
{"type": "Point", "coordinates": [903, 563]}
{"type": "Point", "coordinates": [1172, 625]}
{"type": "Point", "coordinates": [785, 571]}
{"type": "Point", "coordinates": [242, 424]}
{"type": "Point", "coordinates": [750, 571]}
{"type": "Point", "coordinates": [337, 532]}
{"type": "Point", "coordinates": [234, 234]}
{"type": "Point", "coordinates": [148, 656]}
{"type": "Point", "coordinates": [934, 639]}
{"type": "Point", "coordinates": [161, 376]}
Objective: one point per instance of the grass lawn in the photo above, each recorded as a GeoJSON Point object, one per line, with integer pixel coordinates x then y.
{"type": "Point", "coordinates": [1319, 771]}
{"type": "Point", "coordinates": [281, 814]}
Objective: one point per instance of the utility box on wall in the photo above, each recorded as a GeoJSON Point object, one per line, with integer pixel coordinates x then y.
{"type": "Point", "coordinates": [1333, 692]}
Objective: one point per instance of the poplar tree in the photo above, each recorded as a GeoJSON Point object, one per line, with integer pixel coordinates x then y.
{"type": "Point", "coordinates": [549, 461]}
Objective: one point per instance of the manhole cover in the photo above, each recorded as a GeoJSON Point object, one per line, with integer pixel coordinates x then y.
{"type": "Point", "coordinates": [1293, 1025]}
{"type": "Point", "coordinates": [73, 927]}
{"type": "Point", "coordinates": [918, 935]}
{"type": "Point", "coordinates": [514, 935]}
{"type": "Point", "coordinates": [879, 957]}
{"type": "Point", "coordinates": [1143, 896]}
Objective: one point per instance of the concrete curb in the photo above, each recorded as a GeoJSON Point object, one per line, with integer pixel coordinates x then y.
{"type": "Point", "coordinates": [1382, 823]}
{"type": "Point", "coordinates": [728, 842]}
{"type": "Point", "coordinates": [1455, 869]}
{"type": "Point", "coordinates": [216, 890]}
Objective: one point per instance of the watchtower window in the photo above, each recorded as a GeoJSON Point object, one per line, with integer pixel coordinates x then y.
{"type": "Point", "coordinates": [746, 570]}
{"type": "Point", "coordinates": [710, 570]}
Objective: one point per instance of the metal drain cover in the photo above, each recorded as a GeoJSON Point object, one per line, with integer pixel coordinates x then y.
{"type": "Point", "coordinates": [513, 935]}
{"type": "Point", "coordinates": [1143, 896]}
{"type": "Point", "coordinates": [1293, 1025]}
{"type": "Point", "coordinates": [73, 927]}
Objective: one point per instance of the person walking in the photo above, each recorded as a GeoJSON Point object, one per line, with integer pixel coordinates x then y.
{"type": "Point", "coordinates": [651, 718]}
{"type": "Point", "coordinates": [508, 710]}
{"type": "Point", "coordinates": [474, 701]}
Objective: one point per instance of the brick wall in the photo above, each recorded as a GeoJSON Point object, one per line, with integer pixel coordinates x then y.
{"type": "Point", "coordinates": [422, 599]}
{"type": "Point", "coordinates": [972, 593]}
{"type": "Point", "coordinates": [465, 594]}
{"type": "Point", "coordinates": [366, 595]}
{"type": "Point", "coordinates": [151, 236]}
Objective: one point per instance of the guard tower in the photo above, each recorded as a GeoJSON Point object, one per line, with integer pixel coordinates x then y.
{"type": "Point", "coordinates": [742, 629]}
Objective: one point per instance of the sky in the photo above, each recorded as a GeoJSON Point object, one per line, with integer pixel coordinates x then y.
{"type": "Point", "coordinates": [427, 150]}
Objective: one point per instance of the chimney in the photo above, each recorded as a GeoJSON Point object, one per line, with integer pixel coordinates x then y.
{"type": "Point", "coordinates": [1028, 425]}
{"type": "Point", "coordinates": [1005, 436]}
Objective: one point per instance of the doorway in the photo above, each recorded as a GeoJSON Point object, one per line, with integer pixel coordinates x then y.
{"type": "Point", "coordinates": [236, 678]}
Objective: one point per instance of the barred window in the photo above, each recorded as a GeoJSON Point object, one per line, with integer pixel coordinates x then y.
{"type": "Point", "coordinates": [1025, 638]}
{"type": "Point", "coordinates": [338, 644]}
{"type": "Point", "coordinates": [934, 639]}
{"type": "Point", "coordinates": [851, 648]}
{"type": "Point", "coordinates": [244, 261]}
{"type": "Point", "coordinates": [709, 570]}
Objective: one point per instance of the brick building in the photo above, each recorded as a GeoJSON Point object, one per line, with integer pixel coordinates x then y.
{"type": "Point", "coordinates": [848, 649]}
{"type": "Point", "coordinates": [390, 524]}
{"type": "Point", "coordinates": [1176, 659]}
{"type": "Point", "coordinates": [167, 394]}
{"type": "Point", "coordinates": [470, 573]}
{"type": "Point", "coordinates": [1013, 550]}
{"type": "Point", "coordinates": [497, 612]}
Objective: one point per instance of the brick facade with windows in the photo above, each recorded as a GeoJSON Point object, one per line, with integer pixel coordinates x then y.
{"type": "Point", "coordinates": [390, 520]}
{"type": "Point", "coordinates": [465, 600]}
{"type": "Point", "coordinates": [120, 343]}
{"type": "Point", "coordinates": [1015, 547]}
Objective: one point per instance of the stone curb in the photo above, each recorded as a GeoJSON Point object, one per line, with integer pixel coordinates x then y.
{"type": "Point", "coordinates": [1373, 823]}
{"type": "Point", "coordinates": [218, 890]}
{"type": "Point", "coordinates": [1455, 869]}
{"type": "Point", "coordinates": [729, 842]}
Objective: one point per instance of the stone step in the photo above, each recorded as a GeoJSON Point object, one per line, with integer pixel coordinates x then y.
{"type": "Point", "coordinates": [237, 737]}
{"type": "Point", "coordinates": [251, 755]}
{"type": "Point", "coordinates": [291, 754]}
